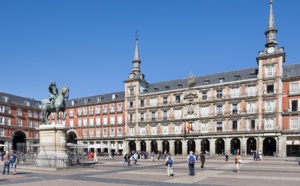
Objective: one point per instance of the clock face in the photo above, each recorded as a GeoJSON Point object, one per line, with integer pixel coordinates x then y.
{"type": "Point", "coordinates": [270, 50]}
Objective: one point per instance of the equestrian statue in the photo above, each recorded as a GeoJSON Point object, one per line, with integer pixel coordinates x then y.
{"type": "Point", "coordinates": [55, 103]}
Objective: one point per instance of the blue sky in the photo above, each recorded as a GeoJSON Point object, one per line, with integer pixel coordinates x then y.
{"type": "Point", "coordinates": [89, 44]}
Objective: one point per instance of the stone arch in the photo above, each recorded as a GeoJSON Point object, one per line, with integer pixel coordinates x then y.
{"type": "Point", "coordinates": [205, 144]}
{"type": "Point", "coordinates": [269, 146]}
{"type": "Point", "coordinates": [235, 146]}
{"type": "Point", "coordinates": [19, 141]}
{"type": "Point", "coordinates": [220, 146]}
{"type": "Point", "coordinates": [251, 145]}
{"type": "Point", "coordinates": [178, 147]}
{"type": "Point", "coordinates": [165, 146]}
{"type": "Point", "coordinates": [191, 146]}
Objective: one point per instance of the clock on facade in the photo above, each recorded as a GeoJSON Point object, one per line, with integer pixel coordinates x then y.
{"type": "Point", "coordinates": [270, 50]}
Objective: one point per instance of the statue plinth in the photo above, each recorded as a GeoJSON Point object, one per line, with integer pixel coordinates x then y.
{"type": "Point", "coordinates": [53, 152]}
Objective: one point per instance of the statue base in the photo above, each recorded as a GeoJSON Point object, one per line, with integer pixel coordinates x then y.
{"type": "Point", "coordinates": [53, 152]}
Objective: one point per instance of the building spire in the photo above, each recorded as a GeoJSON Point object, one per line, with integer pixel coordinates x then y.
{"type": "Point", "coordinates": [271, 29]}
{"type": "Point", "coordinates": [136, 53]}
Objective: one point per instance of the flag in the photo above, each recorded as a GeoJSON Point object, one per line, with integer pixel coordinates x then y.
{"type": "Point", "coordinates": [189, 126]}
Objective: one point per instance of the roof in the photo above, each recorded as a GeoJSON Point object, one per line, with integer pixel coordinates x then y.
{"type": "Point", "coordinates": [18, 100]}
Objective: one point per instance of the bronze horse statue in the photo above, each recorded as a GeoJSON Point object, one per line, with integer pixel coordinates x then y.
{"type": "Point", "coordinates": [59, 106]}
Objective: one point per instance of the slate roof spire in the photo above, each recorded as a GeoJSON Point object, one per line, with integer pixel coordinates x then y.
{"type": "Point", "coordinates": [136, 60]}
{"type": "Point", "coordinates": [271, 29]}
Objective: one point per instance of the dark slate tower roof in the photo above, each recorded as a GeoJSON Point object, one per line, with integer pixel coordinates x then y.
{"type": "Point", "coordinates": [101, 98]}
{"type": "Point", "coordinates": [18, 100]}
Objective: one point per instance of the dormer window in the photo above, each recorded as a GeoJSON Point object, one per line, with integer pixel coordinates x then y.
{"type": "Point", "coordinates": [99, 99]}
{"type": "Point", "coordinates": [237, 77]}
{"type": "Point", "coordinates": [167, 87]}
{"type": "Point", "coordinates": [5, 98]}
{"type": "Point", "coordinates": [114, 96]}
{"type": "Point", "coordinates": [179, 85]}
{"type": "Point", "coordinates": [206, 81]}
{"type": "Point", "coordinates": [221, 80]}
{"type": "Point", "coordinates": [145, 90]}
{"type": "Point", "coordinates": [156, 89]}
{"type": "Point", "coordinates": [86, 100]}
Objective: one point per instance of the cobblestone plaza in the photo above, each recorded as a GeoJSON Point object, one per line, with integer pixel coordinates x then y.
{"type": "Point", "coordinates": [271, 171]}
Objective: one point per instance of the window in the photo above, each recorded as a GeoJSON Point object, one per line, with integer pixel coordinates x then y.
{"type": "Point", "coordinates": [269, 124]}
{"type": "Point", "coordinates": [84, 111]}
{"type": "Point", "coordinates": [35, 134]}
{"type": "Point", "coordinates": [29, 112]}
{"type": "Point", "coordinates": [294, 105]}
{"type": "Point", "coordinates": [79, 112]}
{"type": "Point", "coordinates": [165, 100]}
{"type": "Point", "coordinates": [177, 129]}
{"type": "Point", "coordinates": [205, 111]}
{"type": "Point", "coordinates": [180, 85]}
{"type": "Point", "coordinates": [234, 125]}
{"type": "Point", "coordinates": [221, 80]}
{"type": "Point", "coordinates": [7, 121]}
{"type": "Point", "coordinates": [97, 109]}
{"type": "Point", "coordinates": [130, 104]}
{"type": "Point", "coordinates": [269, 71]}
{"type": "Point", "coordinates": [79, 122]}
{"type": "Point", "coordinates": [177, 99]}
{"type": "Point", "coordinates": [1, 120]}
{"type": "Point", "coordinates": [112, 132]}
{"type": "Point", "coordinates": [29, 123]}
{"type": "Point", "coordinates": [219, 126]}
{"type": "Point", "coordinates": [177, 114]}
{"type": "Point", "coordinates": [165, 115]}
{"type": "Point", "coordinates": [112, 120]}
{"type": "Point", "coordinates": [19, 123]}
{"type": "Point", "coordinates": [35, 124]}
{"type": "Point", "coordinates": [120, 119]}
{"type": "Point", "coordinates": [204, 95]}
{"type": "Point", "coordinates": [130, 118]}
{"type": "Point", "coordinates": [1, 132]}
{"type": "Point", "coordinates": [294, 88]}
{"type": "Point", "coordinates": [91, 121]}
{"type": "Point", "coordinates": [251, 107]}
{"type": "Point", "coordinates": [105, 120]}
{"type": "Point", "coordinates": [153, 101]}
{"type": "Point", "coordinates": [153, 130]}
{"type": "Point", "coordinates": [269, 106]}
{"type": "Point", "coordinates": [91, 111]}
{"type": "Point", "coordinates": [165, 130]}
{"type": "Point", "coordinates": [219, 109]}
{"type": "Point", "coordinates": [270, 89]}
{"type": "Point", "coordinates": [2, 108]}
{"type": "Point", "coordinates": [104, 132]}
{"type": "Point", "coordinates": [91, 133]}
{"type": "Point", "coordinates": [219, 94]}
{"type": "Point", "coordinates": [71, 112]}
{"type": "Point", "coordinates": [84, 133]}
{"type": "Point", "coordinates": [71, 123]}
{"type": "Point", "coordinates": [156, 89]}
{"type": "Point", "coordinates": [131, 92]}
{"type": "Point", "coordinates": [252, 91]}
{"type": "Point", "coordinates": [153, 116]}
{"type": "Point", "coordinates": [294, 123]}
{"type": "Point", "coordinates": [119, 132]}
{"type": "Point", "coordinates": [206, 81]}
{"type": "Point", "coordinates": [235, 92]}
{"type": "Point", "coordinates": [142, 103]}
{"type": "Point", "coordinates": [234, 108]}
{"type": "Point", "coordinates": [142, 131]}
{"type": "Point", "coordinates": [104, 108]}
{"type": "Point", "coordinates": [97, 132]}
{"type": "Point", "coordinates": [35, 114]}
{"type": "Point", "coordinates": [98, 122]}
{"type": "Point", "coordinates": [237, 77]}
{"type": "Point", "coordinates": [19, 112]}
{"type": "Point", "coordinates": [7, 110]}
{"type": "Point", "coordinates": [84, 122]}
{"type": "Point", "coordinates": [252, 124]}
{"type": "Point", "coordinates": [112, 108]}
{"type": "Point", "coordinates": [120, 107]}
{"type": "Point", "coordinates": [142, 116]}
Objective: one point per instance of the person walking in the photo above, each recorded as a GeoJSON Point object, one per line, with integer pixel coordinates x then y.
{"type": "Point", "coordinates": [226, 155]}
{"type": "Point", "coordinates": [169, 163]}
{"type": "Point", "coordinates": [13, 160]}
{"type": "Point", "coordinates": [152, 155]}
{"type": "Point", "coordinates": [191, 159]}
{"type": "Point", "coordinates": [125, 159]}
{"type": "Point", "coordinates": [238, 161]}
{"type": "Point", "coordinates": [95, 157]}
{"type": "Point", "coordinates": [6, 163]}
{"type": "Point", "coordinates": [202, 159]}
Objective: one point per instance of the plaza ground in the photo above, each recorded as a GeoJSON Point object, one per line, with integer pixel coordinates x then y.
{"type": "Point", "coordinates": [271, 171]}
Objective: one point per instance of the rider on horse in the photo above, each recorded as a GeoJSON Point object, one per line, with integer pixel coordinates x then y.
{"type": "Point", "coordinates": [53, 93]}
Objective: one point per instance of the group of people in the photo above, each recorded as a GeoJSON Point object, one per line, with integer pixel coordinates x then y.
{"type": "Point", "coordinates": [10, 159]}
{"type": "Point", "coordinates": [128, 157]}
{"type": "Point", "coordinates": [256, 155]}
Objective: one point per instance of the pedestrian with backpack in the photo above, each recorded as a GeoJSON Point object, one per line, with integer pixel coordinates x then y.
{"type": "Point", "coordinates": [169, 163]}
{"type": "Point", "coordinates": [191, 159]}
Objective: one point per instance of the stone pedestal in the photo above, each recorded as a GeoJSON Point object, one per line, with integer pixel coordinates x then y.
{"type": "Point", "coordinates": [53, 152]}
